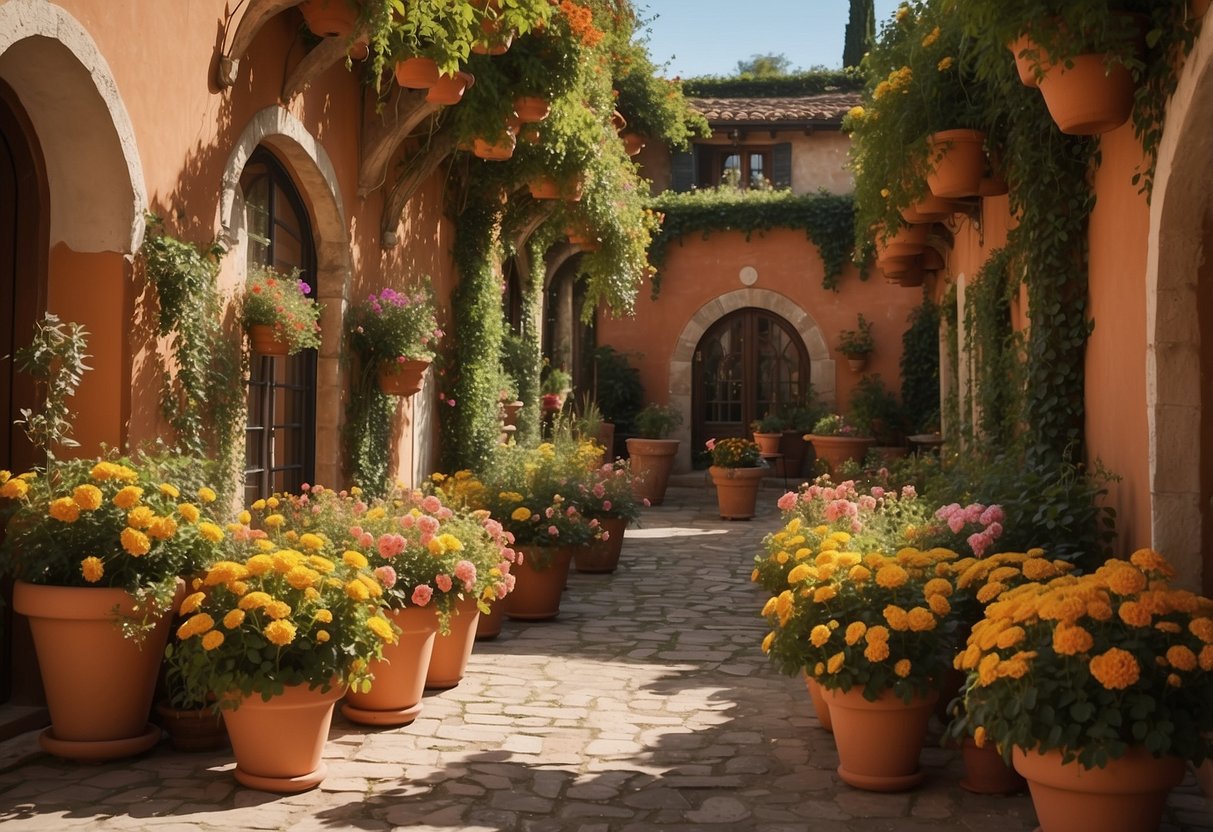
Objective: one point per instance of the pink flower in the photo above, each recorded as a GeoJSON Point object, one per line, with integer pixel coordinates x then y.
{"type": "Point", "coordinates": [606, 535]}
{"type": "Point", "coordinates": [973, 512]}
{"type": "Point", "coordinates": [408, 521]}
{"type": "Point", "coordinates": [606, 505]}
{"type": "Point", "coordinates": [599, 490]}
{"type": "Point", "coordinates": [444, 513]}
{"type": "Point", "coordinates": [465, 571]}
{"type": "Point", "coordinates": [994, 530]}
{"type": "Point", "coordinates": [431, 504]}
{"type": "Point", "coordinates": [788, 501]}
{"type": "Point", "coordinates": [444, 582]}
{"type": "Point", "coordinates": [867, 503]}
{"type": "Point", "coordinates": [548, 512]}
{"type": "Point", "coordinates": [422, 595]}
{"type": "Point", "coordinates": [646, 502]}
{"type": "Point", "coordinates": [908, 492]}
{"type": "Point", "coordinates": [391, 545]}
{"type": "Point", "coordinates": [553, 531]}
{"type": "Point", "coordinates": [366, 540]}
{"type": "Point", "coordinates": [979, 542]}
{"type": "Point", "coordinates": [386, 576]}
{"type": "Point", "coordinates": [956, 522]}
{"type": "Point", "coordinates": [355, 531]}
{"type": "Point", "coordinates": [427, 524]}
{"type": "Point", "coordinates": [711, 443]}
{"type": "Point", "coordinates": [993, 514]}
{"type": "Point", "coordinates": [877, 492]}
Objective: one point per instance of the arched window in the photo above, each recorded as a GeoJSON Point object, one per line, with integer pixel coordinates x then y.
{"type": "Point", "coordinates": [280, 434]}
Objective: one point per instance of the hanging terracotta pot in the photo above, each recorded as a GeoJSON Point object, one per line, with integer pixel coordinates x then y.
{"type": "Point", "coordinates": [957, 163]}
{"type": "Point", "coordinates": [836, 450]}
{"type": "Point", "coordinates": [99, 685]}
{"type": "Point", "coordinates": [908, 241]}
{"type": "Point", "coordinates": [449, 660]}
{"type": "Point", "coordinates": [401, 378]}
{"type": "Point", "coordinates": [1025, 62]}
{"type": "Point", "coordinates": [736, 490]}
{"type": "Point", "coordinates": [544, 187]}
{"type": "Point", "coordinates": [395, 694]}
{"type": "Point", "coordinates": [879, 742]}
{"type": "Point", "coordinates": [278, 744]}
{"type": "Point", "coordinates": [265, 341]}
{"type": "Point", "coordinates": [821, 708]}
{"type": "Point", "coordinates": [495, 40]}
{"type": "Point", "coordinates": [532, 108]}
{"type": "Point", "coordinates": [930, 209]}
{"type": "Point", "coordinates": [602, 556]}
{"type": "Point", "coordinates": [197, 729]}
{"type": "Point", "coordinates": [1127, 795]}
{"type": "Point", "coordinates": [1088, 97]}
{"type": "Point", "coordinates": [895, 265]}
{"type": "Point", "coordinates": [652, 461]}
{"type": "Point", "coordinates": [330, 18]}
{"type": "Point", "coordinates": [489, 626]}
{"type": "Point", "coordinates": [857, 362]}
{"type": "Point", "coordinates": [497, 150]}
{"type": "Point", "coordinates": [618, 122]}
{"type": "Point", "coordinates": [986, 772]}
{"type": "Point", "coordinates": [537, 589]}
{"type": "Point", "coordinates": [768, 443]}
{"type": "Point", "coordinates": [417, 73]}
{"type": "Point", "coordinates": [633, 143]}
{"type": "Point", "coordinates": [449, 89]}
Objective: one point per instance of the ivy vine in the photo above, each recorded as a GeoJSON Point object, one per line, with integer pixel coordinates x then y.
{"type": "Point", "coordinates": [811, 82]}
{"type": "Point", "coordinates": [369, 418]}
{"type": "Point", "coordinates": [920, 368]}
{"type": "Point", "coordinates": [995, 348]}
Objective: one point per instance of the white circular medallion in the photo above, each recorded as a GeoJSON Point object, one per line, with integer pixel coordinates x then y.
{"type": "Point", "coordinates": [749, 276]}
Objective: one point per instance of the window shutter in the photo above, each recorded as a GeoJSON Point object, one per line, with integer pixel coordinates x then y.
{"type": "Point", "coordinates": [682, 169]}
{"type": "Point", "coordinates": [781, 165]}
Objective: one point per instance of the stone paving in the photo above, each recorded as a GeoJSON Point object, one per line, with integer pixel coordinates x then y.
{"type": "Point", "coordinates": [646, 706]}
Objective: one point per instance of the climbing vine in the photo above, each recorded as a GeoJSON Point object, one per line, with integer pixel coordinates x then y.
{"type": "Point", "coordinates": [369, 418]}
{"type": "Point", "coordinates": [995, 349]}
{"type": "Point", "coordinates": [920, 368]}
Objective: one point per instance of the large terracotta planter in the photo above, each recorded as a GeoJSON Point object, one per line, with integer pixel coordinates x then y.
{"type": "Point", "coordinates": [395, 694]}
{"type": "Point", "coordinates": [986, 772]}
{"type": "Point", "coordinates": [401, 378]}
{"type": "Point", "coordinates": [821, 708]}
{"type": "Point", "coordinates": [603, 555]}
{"type": "Point", "coordinates": [330, 18]}
{"type": "Point", "coordinates": [1087, 97]}
{"type": "Point", "coordinates": [836, 450]}
{"type": "Point", "coordinates": [1127, 795]}
{"type": "Point", "coordinates": [489, 626]}
{"type": "Point", "coordinates": [449, 89]}
{"type": "Point", "coordinates": [737, 490]}
{"type": "Point", "coordinates": [278, 743]}
{"type": "Point", "coordinates": [417, 73]}
{"type": "Point", "coordinates": [537, 591]}
{"type": "Point", "coordinates": [265, 341]}
{"type": "Point", "coordinates": [957, 163]}
{"type": "Point", "coordinates": [449, 660]}
{"type": "Point", "coordinates": [879, 742]}
{"type": "Point", "coordinates": [99, 685]}
{"type": "Point", "coordinates": [652, 461]}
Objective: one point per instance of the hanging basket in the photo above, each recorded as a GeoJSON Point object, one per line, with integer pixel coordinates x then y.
{"type": "Point", "coordinates": [957, 163]}
{"type": "Point", "coordinates": [264, 340]}
{"type": "Point", "coordinates": [1088, 97]}
{"type": "Point", "coordinates": [401, 378]}
{"type": "Point", "coordinates": [417, 73]}
{"type": "Point", "coordinates": [330, 18]}
{"type": "Point", "coordinates": [449, 89]}
{"type": "Point", "coordinates": [499, 150]}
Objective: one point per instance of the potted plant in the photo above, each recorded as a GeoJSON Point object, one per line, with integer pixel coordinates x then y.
{"type": "Point", "coordinates": [610, 498]}
{"type": "Point", "coordinates": [768, 432]}
{"type": "Point", "coordinates": [794, 447]}
{"type": "Point", "coordinates": [278, 312]}
{"type": "Point", "coordinates": [837, 441]}
{"type": "Point", "coordinates": [875, 405]}
{"type": "Point", "coordinates": [276, 631]}
{"type": "Point", "coordinates": [554, 387]}
{"type": "Point", "coordinates": [652, 451]}
{"type": "Point", "coordinates": [857, 344]}
{"type": "Point", "coordinates": [1132, 658]}
{"type": "Point", "coordinates": [737, 470]}
{"type": "Point", "coordinates": [396, 334]}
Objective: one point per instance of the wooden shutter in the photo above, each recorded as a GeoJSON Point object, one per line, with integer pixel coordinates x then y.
{"type": "Point", "coordinates": [682, 169]}
{"type": "Point", "coordinates": [781, 165]}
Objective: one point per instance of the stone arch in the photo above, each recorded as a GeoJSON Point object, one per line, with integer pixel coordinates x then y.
{"type": "Point", "coordinates": [1178, 271]}
{"type": "Point", "coordinates": [822, 367]}
{"type": "Point", "coordinates": [85, 132]}
{"type": "Point", "coordinates": [313, 173]}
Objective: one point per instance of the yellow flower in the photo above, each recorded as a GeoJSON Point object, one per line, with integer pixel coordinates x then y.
{"type": "Point", "coordinates": [1123, 579]}
{"type": "Point", "coordinates": [301, 577]}
{"type": "Point", "coordinates": [322, 636]}
{"type": "Point", "coordinates": [206, 495]}
{"type": "Point", "coordinates": [191, 603]}
{"type": "Point", "coordinates": [212, 639]}
{"type": "Point", "coordinates": [87, 496]}
{"type": "Point", "coordinates": [766, 641]}
{"type": "Point", "coordinates": [135, 542]}
{"type": "Point", "coordinates": [285, 560]}
{"type": "Point", "coordinates": [195, 625]}
{"type": "Point", "coordinates": [1013, 668]}
{"type": "Point", "coordinates": [521, 513]}
{"type": "Point", "coordinates": [1012, 636]}
{"type": "Point", "coordinates": [856, 113]}
{"type": "Point", "coordinates": [169, 490]}
{"type": "Point", "coordinates": [244, 518]}
{"type": "Point", "coordinates": [14, 489]}
{"type": "Point", "coordinates": [357, 590]}
{"type": "Point", "coordinates": [834, 664]}
{"type": "Point", "coordinates": [189, 512]}
{"type": "Point", "coordinates": [945, 63]}
{"type": "Point", "coordinates": [307, 540]}
{"type": "Point", "coordinates": [855, 631]}
{"type": "Point", "coordinates": [902, 668]}
{"type": "Point", "coordinates": [987, 670]}
{"type": "Point", "coordinates": [280, 632]}
{"type": "Point", "coordinates": [451, 543]}
{"type": "Point", "coordinates": [382, 628]}
{"type": "Point", "coordinates": [859, 573]}
{"type": "Point", "coordinates": [233, 619]}
{"type": "Point", "coordinates": [769, 607]}
{"type": "Point", "coordinates": [510, 496]}
{"type": "Point", "coordinates": [1206, 657]}
{"type": "Point", "coordinates": [930, 37]}
{"type": "Point", "coordinates": [128, 497]}
{"type": "Point", "coordinates": [876, 634]}
{"type": "Point", "coordinates": [255, 600]}
{"type": "Point", "coordinates": [824, 593]}
{"type": "Point", "coordinates": [272, 502]}
{"type": "Point", "coordinates": [939, 605]}
{"type": "Point", "coordinates": [896, 616]}
{"type": "Point", "coordinates": [1181, 657]}
{"type": "Point", "coordinates": [92, 569]}
{"type": "Point", "coordinates": [65, 510]}
{"type": "Point", "coordinates": [784, 606]}
{"type": "Point", "coordinates": [1134, 614]}
{"type": "Point", "coordinates": [920, 620]}
{"type": "Point", "coordinates": [1115, 669]}
{"type": "Point", "coordinates": [979, 736]}
{"type": "Point", "coordinates": [324, 616]}
{"type": "Point", "coordinates": [819, 635]}
{"type": "Point", "coordinates": [990, 591]}
{"type": "Point", "coordinates": [891, 576]}
{"type": "Point", "coordinates": [211, 532]}
{"type": "Point", "coordinates": [1148, 560]}
{"type": "Point", "coordinates": [799, 572]}
{"type": "Point", "coordinates": [354, 559]}
{"type": "Point", "coordinates": [225, 572]}
{"type": "Point", "coordinates": [1202, 628]}
{"type": "Point", "coordinates": [162, 528]}
{"type": "Point", "coordinates": [937, 586]}
{"type": "Point", "coordinates": [258, 505]}
{"type": "Point", "coordinates": [278, 609]}
{"type": "Point", "coordinates": [876, 651]}
{"type": "Point", "coordinates": [113, 471]}
{"type": "Point", "coordinates": [274, 521]}
{"type": "Point", "coordinates": [140, 517]}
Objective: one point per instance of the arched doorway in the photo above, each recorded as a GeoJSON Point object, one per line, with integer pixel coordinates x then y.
{"type": "Point", "coordinates": [749, 363]}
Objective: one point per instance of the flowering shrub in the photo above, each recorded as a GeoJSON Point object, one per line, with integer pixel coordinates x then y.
{"type": "Point", "coordinates": [610, 492]}
{"type": "Point", "coordinates": [109, 522]}
{"type": "Point", "coordinates": [281, 302]}
{"type": "Point", "coordinates": [986, 523]}
{"type": "Point", "coordinates": [834, 424]}
{"type": "Point", "coordinates": [735, 452]}
{"type": "Point", "coordinates": [882, 518]}
{"type": "Point", "coordinates": [394, 326]}
{"type": "Point", "coordinates": [279, 612]}
{"type": "Point", "coordinates": [1091, 665]}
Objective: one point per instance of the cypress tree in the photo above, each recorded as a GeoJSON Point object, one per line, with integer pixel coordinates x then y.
{"type": "Point", "coordinates": [861, 31]}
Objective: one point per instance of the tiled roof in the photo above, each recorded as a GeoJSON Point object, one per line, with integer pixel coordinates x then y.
{"type": "Point", "coordinates": [826, 107]}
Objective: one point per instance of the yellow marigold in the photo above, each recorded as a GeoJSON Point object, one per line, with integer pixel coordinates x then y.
{"type": "Point", "coordinates": [835, 662]}
{"type": "Point", "coordinates": [827, 546]}
{"type": "Point", "coordinates": [939, 605]}
{"type": "Point", "coordinates": [754, 574]}
{"type": "Point", "coordinates": [324, 616]}
{"type": "Point", "coordinates": [191, 603]}
{"type": "Point", "coordinates": [1070, 640]}
{"type": "Point", "coordinates": [876, 634]}
{"type": "Point", "coordinates": [855, 631]}
{"type": "Point", "coordinates": [196, 624]}
{"type": "Point", "coordinates": [1115, 669]}
{"type": "Point", "coordinates": [1038, 569]}
{"type": "Point", "coordinates": [876, 651]}
{"type": "Point", "coordinates": [169, 490]}
{"type": "Point", "coordinates": [278, 609]}
{"type": "Point", "coordinates": [354, 558]}
{"type": "Point", "coordinates": [272, 502]}
{"type": "Point", "coordinates": [260, 564]}
{"type": "Point", "coordinates": [357, 590]}
{"type": "Point", "coordinates": [1148, 560]}
{"type": "Point", "coordinates": [285, 560]}
{"type": "Point", "coordinates": [280, 632]}
{"type": "Point", "coordinates": [521, 514]}
{"type": "Point", "coordinates": [274, 521]}
{"type": "Point", "coordinates": [896, 617]}
{"type": "Point", "coordinates": [1202, 628]}
{"type": "Point", "coordinates": [233, 619]}
{"type": "Point", "coordinates": [372, 585]}
{"type": "Point", "coordinates": [920, 619]}
{"type": "Point", "coordinates": [1206, 657]}
{"type": "Point", "coordinates": [802, 553]}
{"type": "Point", "coordinates": [310, 541]}
{"type": "Point", "coordinates": [1099, 610]}
{"type": "Point", "coordinates": [769, 607]}
{"type": "Point", "coordinates": [311, 593]}
{"type": "Point", "coordinates": [14, 489]}
{"type": "Point", "coordinates": [987, 670]}
{"type": "Point", "coordinates": [212, 639]}
{"type": "Point", "coordinates": [1012, 668]}
{"type": "Point", "coordinates": [382, 628]}
{"type": "Point", "coordinates": [856, 113]}
{"type": "Point", "coordinates": [162, 528]}
{"type": "Point", "coordinates": [824, 593]}
{"type": "Point", "coordinates": [140, 517]}
{"type": "Point", "coordinates": [128, 497]}
{"type": "Point", "coordinates": [930, 37]}
{"type": "Point", "coordinates": [1168, 627]}
{"type": "Point", "coordinates": [92, 569]}
{"type": "Point", "coordinates": [819, 635]}
{"type": "Point", "coordinates": [990, 591]}
{"type": "Point", "coordinates": [891, 576]}
{"type": "Point", "coordinates": [1010, 637]}
{"type": "Point", "coordinates": [1134, 614]}
{"type": "Point", "coordinates": [258, 505]}
{"type": "Point", "coordinates": [113, 471]}
{"type": "Point", "coordinates": [206, 495]}
{"type": "Point", "coordinates": [211, 532]}
{"type": "Point", "coordinates": [189, 512]}
{"type": "Point", "coordinates": [64, 510]}
{"type": "Point", "coordinates": [969, 658]}
{"type": "Point", "coordinates": [322, 636]}
{"type": "Point", "coordinates": [859, 573]}
{"type": "Point", "coordinates": [88, 497]}
{"type": "Point", "coordinates": [798, 573]}
{"type": "Point", "coordinates": [1003, 573]}
{"type": "Point", "coordinates": [784, 604]}
{"type": "Point", "coordinates": [767, 640]}
{"type": "Point", "coordinates": [301, 577]}
{"type": "Point", "coordinates": [937, 586]}
{"type": "Point", "coordinates": [1123, 579]}
{"type": "Point", "coordinates": [135, 542]}
{"type": "Point", "coordinates": [1181, 657]}
{"type": "Point", "coordinates": [255, 600]}
{"type": "Point", "coordinates": [945, 63]}
{"type": "Point", "coordinates": [902, 668]}
{"type": "Point", "coordinates": [781, 558]}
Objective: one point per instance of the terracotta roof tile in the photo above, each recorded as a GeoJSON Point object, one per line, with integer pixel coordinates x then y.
{"type": "Point", "coordinates": [830, 106]}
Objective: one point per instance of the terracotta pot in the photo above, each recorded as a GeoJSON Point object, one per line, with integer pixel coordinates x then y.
{"type": "Point", "coordinates": [99, 685]}
{"type": "Point", "coordinates": [879, 742]}
{"type": "Point", "coordinates": [498, 150]}
{"type": "Point", "coordinates": [602, 556]}
{"type": "Point", "coordinates": [1088, 97]}
{"type": "Point", "coordinates": [537, 590]}
{"type": "Point", "coordinates": [265, 341]}
{"type": "Point", "coordinates": [395, 694]}
{"type": "Point", "coordinates": [401, 378]}
{"type": "Point", "coordinates": [908, 241]}
{"type": "Point", "coordinates": [986, 772]}
{"type": "Point", "coordinates": [929, 209]}
{"type": "Point", "coordinates": [892, 266]}
{"type": "Point", "coordinates": [489, 626]}
{"type": "Point", "coordinates": [836, 450]}
{"type": "Point", "coordinates": [618, 121]}
{"type": "Point", "coordinates": [1127, 795]}
{"type": "Point", "coordinates": [957, 163]}
{"type": "Point", "coordinates": [544, 187]}
{"type": "Point", "coordinates": [330, 18]}
{"type": "Point", "coordinates": [200, 729]}
{"type": "Point", "coordinates": [633, 143]}
{"type": "Point", "coordinates": [736, 490]}
{"type": "Point", "coordinates": [449, 89]}
{"type": "Point", "coordinates": [768, 443]}
{"type": "Point", "coordinates": [1025, 64]}
{"type": "Point", "coordinates": [652, 461]}
{"type": "Point", "coordinates": [857, 362]}
{"type": "Point", "coordinates": [793, 448]}
{"type": "Point", "coordinates": [821, 708]}
{"type": "Point", "coordinates": [532, 108]}
{"type": "Point", "coordinates": [278, 744]}
{"type": "Point", "coordinates": [496, 40]}
{"type": "Point", "coordinates": [451, 651]}
{"type": "Point", "coordinates": [510, 412]}
{"type": "Point", "coordinates": [417, 73]}
{"type": "Point", "coordinates": [994, 184]}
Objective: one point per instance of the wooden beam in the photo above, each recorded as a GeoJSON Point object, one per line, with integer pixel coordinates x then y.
{"type": "Point", "coordinates": [255, 16]}
{"type": "Point", "coordinates": [380, 140]}
{"type": "Point", "coordinates": [418, 170]}
{"type": "Point", "coordinates": [327, 54]}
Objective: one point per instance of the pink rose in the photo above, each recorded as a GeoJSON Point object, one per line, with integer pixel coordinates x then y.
{"type": "Point", "coordinates": [465, 571]}
{"type": "Point", "coordinates": [553, 531]}
{"type": "Point", "coordinates": [366, 540]}
{"type": "Point", "coordinates": [431, 504]}
{"type": "Point", "coordinates": [711, 443]}
{"type": "Point", "coordinates": [993, 514]}
{"type": "Point", "coordinates": [787, 502]}
{"type": "Point", "coordinates": [422, 595]}
{"type": "Point", "coordinates": [386, 576]}
{"type": "Point", "coordinates": [444, 582]}
{"type": "Point", "coordinates": [606, 505]}
{"type": "Point", "coordinates": [956, 522]}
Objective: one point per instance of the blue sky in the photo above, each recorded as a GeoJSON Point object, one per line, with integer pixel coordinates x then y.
{"type": "Point", "coordinates": [709, 37]}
